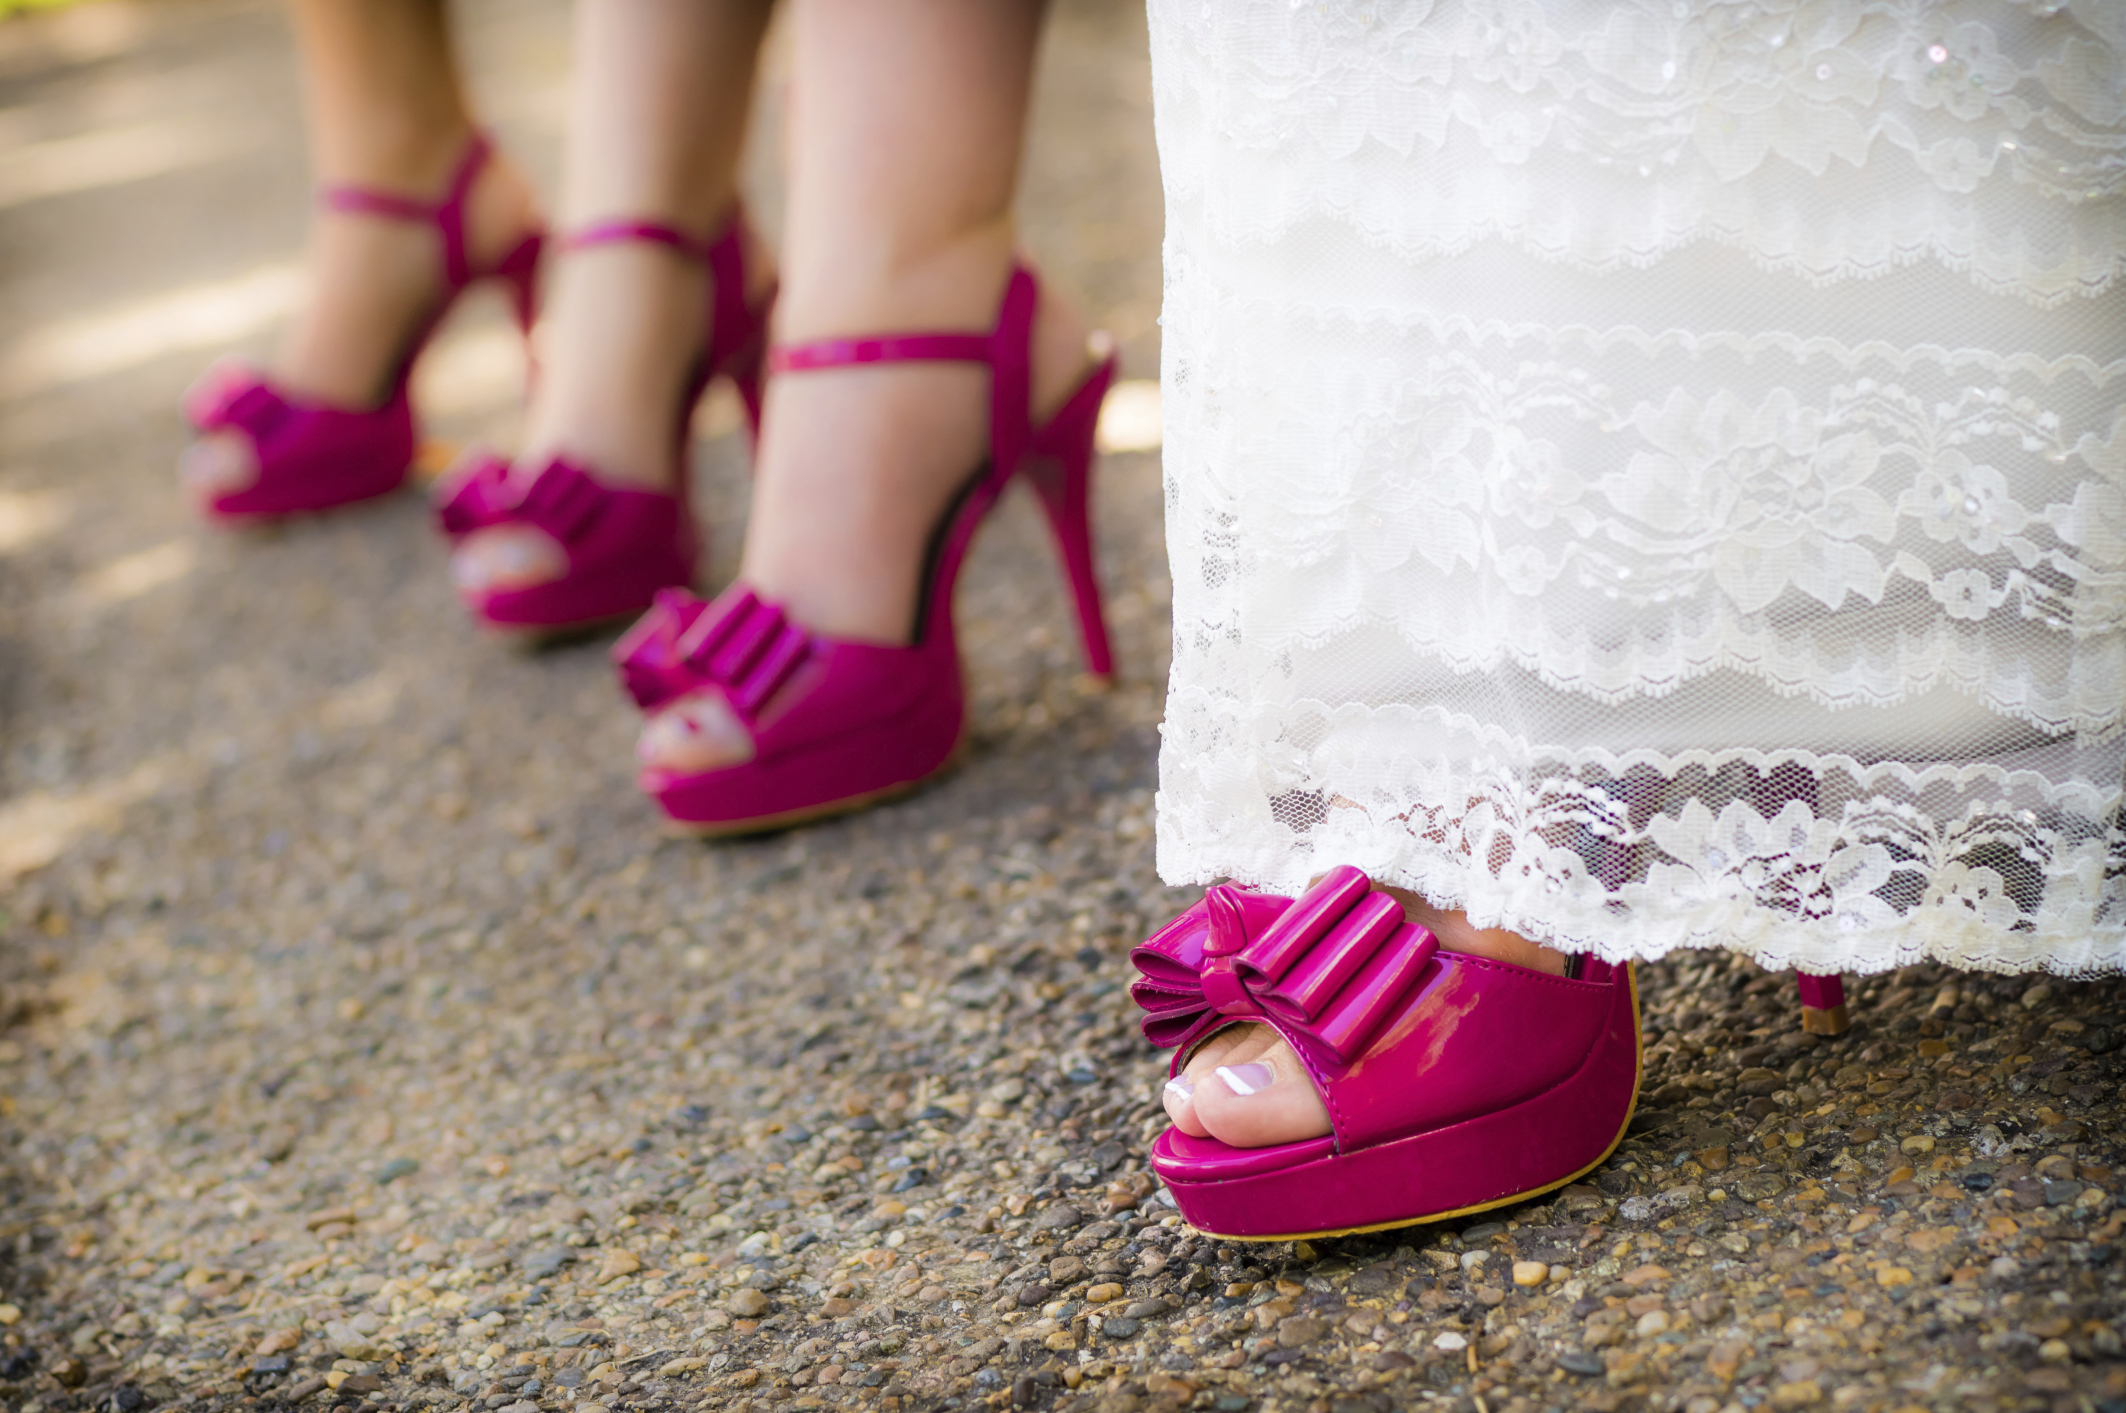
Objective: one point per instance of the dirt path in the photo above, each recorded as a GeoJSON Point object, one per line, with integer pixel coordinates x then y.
{"type": "Point", "coordinates": [368, 1044]}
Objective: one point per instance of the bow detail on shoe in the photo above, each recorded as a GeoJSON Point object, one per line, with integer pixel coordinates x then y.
{"type": "Point", "coordinates": [740, 643]}
{"type": "Point", "coordinates": [1330, 967]}
{"type": "Point", "coordinates": [562, 500]}
{"type": "Point", "coordinates": [652, 669]}
{"type": "Point", "coordinates": [232, 395]}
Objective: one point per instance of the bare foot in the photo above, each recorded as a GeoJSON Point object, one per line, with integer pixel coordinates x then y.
{"type": "Point", "coordinates": [877, 453]}
{"type": "Point", "coordinates": [625, 327]}
{"type": "Point", "coordinates": [1245, 1087]}
{"type": "Point", "coordinates": [372, 282]}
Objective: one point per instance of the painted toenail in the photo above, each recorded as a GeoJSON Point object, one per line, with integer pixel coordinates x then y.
{"type": "Point", "coordinates": [1246, 1079]}
{"type": "Point", "coordinates": [1181, 1087]}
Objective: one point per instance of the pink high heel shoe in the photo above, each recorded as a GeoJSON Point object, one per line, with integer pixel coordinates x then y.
{"type": "Point", "coordinates": [1453, 1083]}
{"type": "Point", "coordinates": [623, 544]}
{"type": "Point", "coordinates": [313, 456]}
{"type": "Point", "coordinates": [838, 724]}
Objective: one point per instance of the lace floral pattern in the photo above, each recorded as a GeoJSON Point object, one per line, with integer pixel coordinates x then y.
{"type": "Point", "coordinates": [1607, 134]}
{"type": "Point", "coordinates": [1562, 397]}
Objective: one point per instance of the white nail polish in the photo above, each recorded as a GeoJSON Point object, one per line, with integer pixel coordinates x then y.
{"type": "Point", "coordinates": [1245, 1080]}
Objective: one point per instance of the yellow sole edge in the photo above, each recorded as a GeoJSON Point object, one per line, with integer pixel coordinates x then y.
{"type": "Point", "coordinates": [1638, 1078]}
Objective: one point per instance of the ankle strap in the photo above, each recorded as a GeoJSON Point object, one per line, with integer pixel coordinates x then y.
{"type": "Point", "coordinates": [724, 253]}
{"type": "Point", "coordinates": [654, 232]}
{"type": "Point", "coordinates": [1007, 349]}
{"type": "Point", "coordinates": [446, 215]}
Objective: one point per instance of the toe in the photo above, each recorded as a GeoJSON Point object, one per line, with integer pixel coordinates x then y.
{"type": "Point", "coordinates": [216, 465]}
{"type": "Point", "coordinates": [694, 734]}
{"type": "Point", "coordinates": [1178, 1096]}
{"type": "Point", "coordinates": [507, 557]}
{"type": "Point", "coordinates": [1256, 1095]}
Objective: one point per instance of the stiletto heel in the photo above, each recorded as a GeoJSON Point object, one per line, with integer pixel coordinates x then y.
{"type": "Point", "coordinates": [1059, 466]}
{"type": "Point", "coordinates": [623, 545]}
{"type": "Point", "coordinates": [313, 456]}
{"type": "Point", "coordinates": [520, 274]}
{"type": "Point", "coordinates": [1822, 1004]}
{"type": "Point", "coordinates": [837, 724]}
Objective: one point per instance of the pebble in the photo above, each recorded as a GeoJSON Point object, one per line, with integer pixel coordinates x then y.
{"type": "Point", "coordinates": [1527, 1273]}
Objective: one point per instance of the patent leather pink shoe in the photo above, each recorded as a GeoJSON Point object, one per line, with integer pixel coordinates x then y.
{"type": "Point", "coordinates": [313, 456]}
{"type": "Point", "coordinates": [837, 724]}
{"type": "Point", "coordinates": [1453, 1083]}
{"type": "Point", "coordinates": [623, 544]}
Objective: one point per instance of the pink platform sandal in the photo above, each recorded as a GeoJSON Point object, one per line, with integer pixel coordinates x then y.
{"type": "Point", "coordinates": [313, 456]}
{"type": "Point", "coordinates": [623, 544]}
{"type": "Point", "coordinates": [838, 724]}
{"type": "Point", "coordinates": [1453, 1083]}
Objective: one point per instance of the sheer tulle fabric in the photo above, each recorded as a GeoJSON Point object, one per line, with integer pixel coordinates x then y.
{"type": "Point", "coordinates": [1654, 474]}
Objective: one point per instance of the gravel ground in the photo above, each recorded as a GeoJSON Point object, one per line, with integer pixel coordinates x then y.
{"type": "Point", "coordinates": [368, 1045]}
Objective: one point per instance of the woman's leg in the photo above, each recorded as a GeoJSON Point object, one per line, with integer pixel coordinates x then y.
{"type": "Point", "coordinates": [906, 119]}
{"type": "Point", "coordinates": [656, 130]}
{"type": "Point", "coordinates": [1245, 1087]}
{"type": "Point", "coordinates": [386, 109]}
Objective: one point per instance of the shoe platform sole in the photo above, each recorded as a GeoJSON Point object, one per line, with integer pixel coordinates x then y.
{"type": "Point", "coordinates": [1494, 1128]}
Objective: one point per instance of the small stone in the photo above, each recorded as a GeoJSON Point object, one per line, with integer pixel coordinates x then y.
{"type": "Point", "coordinates": [1033, 1293]}
{"type": "Point", "coordinates": [1066, 1270]}
{"type": "Point", "coordinates": [1799, 1394]}
{"type": "Point", "coordinates": [348, 1340]}
{"type": "Point", "coordinates": [1059, 1217]}
{"type": "Point", "coordinates": [1119, 1327]}
{"type": "Point", "coordinates": [1572, 1361]}
{"type": "Point", "coordinates": [1918, 1143]}
{"type": "Point", "coordinates": [1375, 1280]}
{"type": "Point", "coordinates": [1651, 1323]}
{"type": "Point", "coordinates": [618, 1262]}
{"type": "Point", "coordinates": [747, 1304]}
{"type": "Point", "coordinates": [1527, 1273]}
{"type": "Point", "coordinates": [71, 1372]}
{"type": "Point", "coordinates": [278, 1341]}
{"type": "Point", "coordinates": [834, 1307]}
{"type": "Point", "coordinates": [1060, 1341]}
{"type": "Point", "coordinates": [299, 1391]}
{"type": "Point", "coordinates": [395, 1169]}
{"type": "Point", "coordinates": [1448, 1342]}
{"type": "Point", "coordinates": [270, 1364]}
{"type": "Point", "coordinates": [685, 1364]}
{"type": "Point", "coordinates": [1103, 1292]}
{"type": "Point", "coordinates": [1890, 1277]}
{"type": "Point", "coordinates": [543, 1265]}
{"type": "Point", "coordinates": [1147, 1308]}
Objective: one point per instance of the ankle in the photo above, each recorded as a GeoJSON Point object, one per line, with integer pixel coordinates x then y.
{"type": "Point", "coordinates": [411, 153]}
{"type": "Point", "coordinates": [624, 329]}
{"type": "Point", "coordinates": [943, 280]}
